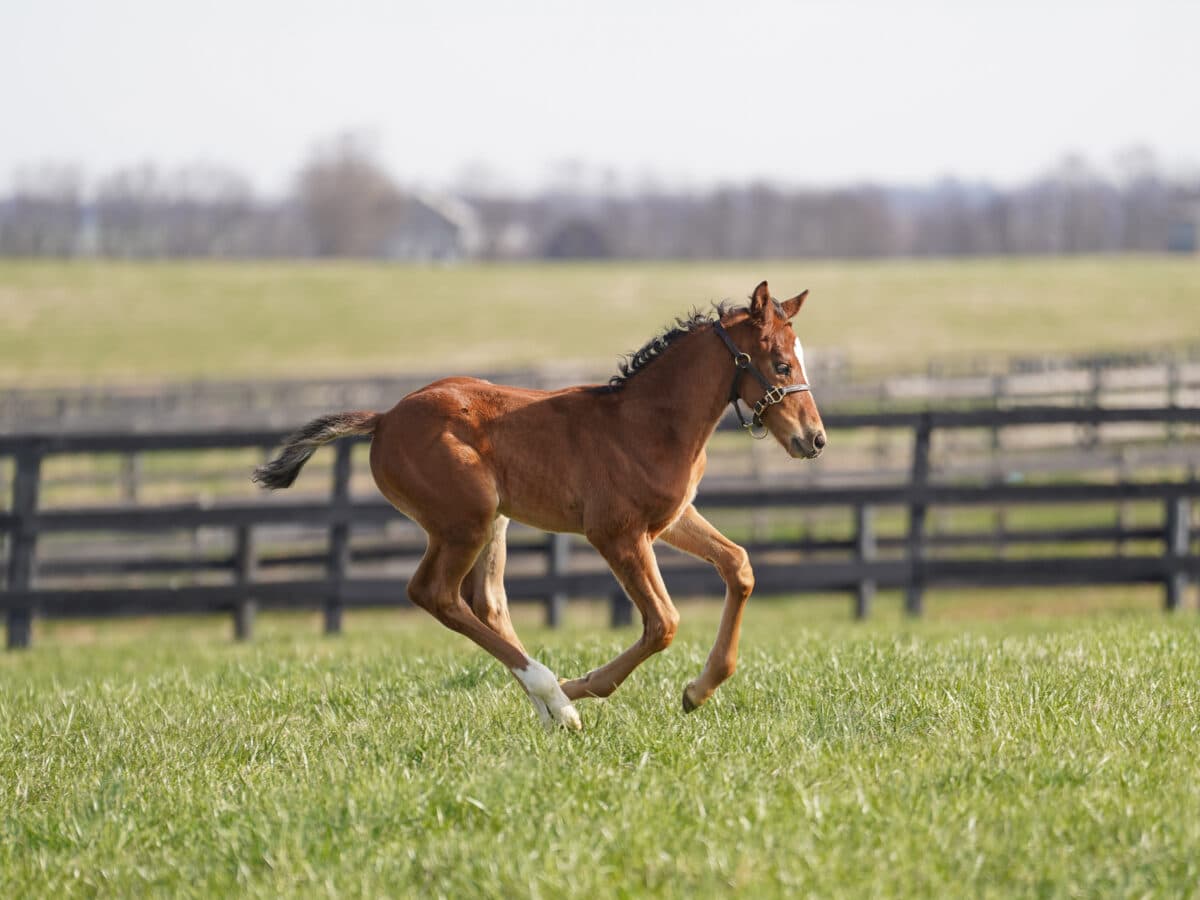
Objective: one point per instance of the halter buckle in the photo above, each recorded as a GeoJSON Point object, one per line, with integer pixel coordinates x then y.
{"type": "Point", "coordinates": [770, 398]}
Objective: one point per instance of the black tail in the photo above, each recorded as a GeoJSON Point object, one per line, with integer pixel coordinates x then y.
{"type": "Point", "coordinates": [283, 469]}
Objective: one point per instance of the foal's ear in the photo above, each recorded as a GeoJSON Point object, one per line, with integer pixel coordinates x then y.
{"type": "Point", "coordinates": [791, 307]}
{"type": "Point", "coordinates": [760, 300]}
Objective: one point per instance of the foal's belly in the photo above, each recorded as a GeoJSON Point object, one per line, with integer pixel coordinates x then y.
{"type": "Point", "coordinates": [544, 522]}
{"type": "Point", "coordinates": [541, 508]}
{"type": "Point", "coordinates": [551, 505]}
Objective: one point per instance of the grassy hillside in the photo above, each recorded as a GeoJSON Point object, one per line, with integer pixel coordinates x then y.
{"type": "Point", "coordinates": [997, 759]}
{"type": "Point", "coordinates": [67, 322]}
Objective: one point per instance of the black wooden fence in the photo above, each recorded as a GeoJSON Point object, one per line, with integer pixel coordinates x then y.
{"type": "Point", "coordinates": [858, 566]}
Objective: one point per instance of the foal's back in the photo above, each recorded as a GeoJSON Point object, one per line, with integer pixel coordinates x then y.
{"type": "Point", "coordinates": [464, 450]}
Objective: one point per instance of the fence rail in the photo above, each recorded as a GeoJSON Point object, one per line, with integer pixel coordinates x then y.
{"type": "Point", "coordinates": [860, 565]}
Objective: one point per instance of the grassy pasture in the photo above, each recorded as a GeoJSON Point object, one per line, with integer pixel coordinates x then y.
{"type": "Point", "coordinates": [79, 321]}
{"type": "Point", "coordinates": [972, 753]}
{"type": "Point", "coordinates": [1000, 758]}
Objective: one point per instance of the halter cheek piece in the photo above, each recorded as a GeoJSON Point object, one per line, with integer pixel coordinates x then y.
{"type": "Point", "coordinates": [774, 392]}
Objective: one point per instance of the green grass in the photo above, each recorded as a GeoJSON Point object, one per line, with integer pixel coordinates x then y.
{"type": "Point", "coordinates": [66, 322]}
{"type": "Point", "coordinates": [1014, 757]}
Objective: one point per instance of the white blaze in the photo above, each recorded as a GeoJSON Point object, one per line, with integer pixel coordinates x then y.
{"type": "Point", "coordinates": [799, 351]}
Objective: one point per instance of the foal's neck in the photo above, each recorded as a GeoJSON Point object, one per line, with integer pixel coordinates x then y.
{"type": "Point", "coordinates": [681, 396]}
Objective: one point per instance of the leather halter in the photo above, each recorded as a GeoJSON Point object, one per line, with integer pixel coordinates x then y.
{"type": "Point", "coordinates": [774, 392]}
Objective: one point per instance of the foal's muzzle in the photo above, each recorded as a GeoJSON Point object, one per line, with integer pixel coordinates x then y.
{"type": "Point", "coordinates": [808, 448]}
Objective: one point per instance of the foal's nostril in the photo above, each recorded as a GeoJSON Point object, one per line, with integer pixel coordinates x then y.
{"type": "Point", "coordinates": [819, 441]}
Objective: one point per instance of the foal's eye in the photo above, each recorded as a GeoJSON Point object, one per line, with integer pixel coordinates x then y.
{"type": "Point", "coordinates": [783, 368]}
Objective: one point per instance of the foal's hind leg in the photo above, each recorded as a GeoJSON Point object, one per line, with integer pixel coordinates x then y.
{"type": "Point", "coordinates": [632, 561]}
{"type": "Point", "coordinates": [485, 594]}
{"type": "Point", "coordinates": [693, 534]}
{"type": "Point", "coordinates": [484, 586]}
{"type": "Point", "coordinates": [435, 587]}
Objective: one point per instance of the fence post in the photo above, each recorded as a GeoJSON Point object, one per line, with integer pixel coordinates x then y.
{"type": "Point", "coordinates": [339, 537]}
{"type": "Point", "coordinates": [620, 609]}
{"type": "Point", "coordinates": [1124, 522]}
{"type": "Point", "coordinates": [131, 476]}
{"type": "Point", "coordinates": [1092, 439]}
{"type": "Point", "coordinates": [999, 520]}
{"type": "Point", "coordinates": [558, 550]}
{"type": "Point", "coordinates": [1174, 386]}
{"type": "Point", "coordinates": [915, 544]}
{"type": "Point", "coordinates": [864, 549]}
{"type": "Point", "coordinates": [999, 389]}
{"type": "Point", "coordinates": [1178, 543]}
{"type": "Point", "coordinates": [245, 566]}
{"type": "Point", "coordinates": [22, 545]}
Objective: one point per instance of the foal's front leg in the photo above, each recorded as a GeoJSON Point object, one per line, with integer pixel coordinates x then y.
{"type": "Point", "coordinates": [632, 561]}
{"type": "Point", "coordinates": [693, 534]}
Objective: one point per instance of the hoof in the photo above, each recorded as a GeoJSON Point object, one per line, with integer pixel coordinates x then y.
{"type": "Point", "coordinates": [552, 705]}
{"type": "Point", "coordinates": [567, 717]}
{"type": "Point", "coordinates": [559, 713]}
{"type": "Point", "coordinates": [555, 717]}
{"type": "Point", "coordinates": [689, 705]}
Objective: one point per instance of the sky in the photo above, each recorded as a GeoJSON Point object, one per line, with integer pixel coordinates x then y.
{"type": "Point", "coordinates": [683, 93]}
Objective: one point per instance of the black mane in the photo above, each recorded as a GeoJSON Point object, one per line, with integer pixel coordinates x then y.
{"type": "Point", "coordinates": [635, 362]}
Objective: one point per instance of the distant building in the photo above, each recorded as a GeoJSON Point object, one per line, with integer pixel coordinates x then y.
{"type": "Point", "coordinates": [1183, 230]}
{"type": "Point", "coordinates": [577, 239]}
{"type": "Point", "coordinates": [514, 240]}
{"type": "Point", "coordinates": [87, 240]}
{"type": "Point", "coordinates": [433, 229]}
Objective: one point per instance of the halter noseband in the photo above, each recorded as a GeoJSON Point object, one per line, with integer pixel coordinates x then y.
{"type": "Point", "coordinates": [774, 392]}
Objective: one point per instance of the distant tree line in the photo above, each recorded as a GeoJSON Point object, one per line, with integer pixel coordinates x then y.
{"type": "Point", "coordinates": [344, 203]}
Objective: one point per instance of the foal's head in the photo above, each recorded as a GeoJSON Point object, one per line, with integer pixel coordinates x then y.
{"type": "Point", "coordinates": [767, 335]}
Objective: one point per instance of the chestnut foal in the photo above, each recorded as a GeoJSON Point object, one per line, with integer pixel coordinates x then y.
{"type": "Point", "coordinates": [618, 463]}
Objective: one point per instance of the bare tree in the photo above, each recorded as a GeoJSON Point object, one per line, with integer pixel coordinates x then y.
{"type": "Point", "coordinates": [348, 201]}
{"type": "Point", "coordinates": [345, 204]}
{"type": "Point", "coordinates": [43, 215]}
{"type": "Point", "coordinates": [1146, 199]}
